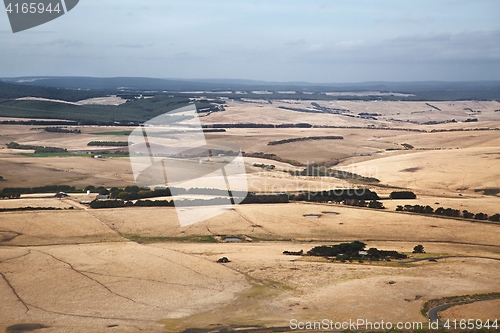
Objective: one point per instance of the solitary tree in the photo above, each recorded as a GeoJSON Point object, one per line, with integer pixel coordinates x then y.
{"type": "Point", "coordinates": [418, 249]}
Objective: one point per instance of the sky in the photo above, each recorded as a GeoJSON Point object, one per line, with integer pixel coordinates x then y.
{"type": "Point", "coordinates": [323, 41]}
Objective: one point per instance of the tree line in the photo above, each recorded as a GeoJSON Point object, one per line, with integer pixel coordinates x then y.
{"type": "Point", "coordinates": [315, 170]}
{"type": "Point", "coordinates": [449, 212]}
{"type": "Point", "coordinates": [251, 199]}
{"type": "Point", "coordinates": [107, 144]}
{"type": "Point", "coordinates": [280, 142]}
{"type": "Point", "coordinates": [62, 130]}
{"type": "Point", "coordinates": [37, 149]}
{"type": "Point", "coordinates": [257, 125]}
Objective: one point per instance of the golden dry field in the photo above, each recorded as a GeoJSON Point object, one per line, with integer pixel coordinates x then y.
{"type": "Point", "coordinates": [77, 269]}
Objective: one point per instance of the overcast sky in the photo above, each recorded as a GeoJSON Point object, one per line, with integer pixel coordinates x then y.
{"type": "Point", "coordinates": [273, 40]}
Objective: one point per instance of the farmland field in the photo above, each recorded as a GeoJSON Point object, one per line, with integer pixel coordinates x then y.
{"type": "Point", "coordinates": [135, 268]}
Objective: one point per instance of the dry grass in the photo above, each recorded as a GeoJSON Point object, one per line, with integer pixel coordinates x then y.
{"type": "Point", "coordinates": [88, 287]}
{"type": "Point", "coordinates": [287, 221]}
{"type": "Point", "coordinates": [75, 272]}
{"type": "Point", "coordinates": [32, 202]}
{"type": "Point", "coordinates": [480, 310]}
{"type": "Point", "coordinates": [317, 290]}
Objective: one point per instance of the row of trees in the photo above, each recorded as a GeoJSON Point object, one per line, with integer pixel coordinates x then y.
{"type": "Point", "coordinates": [117, 203]}
{"type": "Point", "coordinates": [257, 125]}
{"type": "Point", "coordinates": [108, 144]}
{"type": "Point", "coordinates": [62, 130]}
{"type": "Point", "coordinates": [265, 199]}
{"type": "Point", "coordinates": [450, 212]}
{"type": "Point", "coordinates": [39, 122]}
{"type": "Point", "coordinates": [299, 109]}
{"type": "Point", "coordinates": [37, 149]}
{"type": "Point", "coordinates": [29, 208]}
{"type": "Point", "coordinates": [315, 170]}
{"type": "Point", "coordinates": [362, 203]}
{"type": "Point", "coordinates": [329, 137]}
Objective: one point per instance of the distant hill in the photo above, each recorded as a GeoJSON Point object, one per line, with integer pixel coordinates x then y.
{"type": "Point", "coordinates": [13, 91]}
{"type": "Point", "coordinates": [429, 90]}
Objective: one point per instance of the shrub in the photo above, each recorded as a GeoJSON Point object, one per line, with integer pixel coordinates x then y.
{"type": "Point", "coordinates": [418, 249]}
{"type": "Point", "coordinates": [494, 218]}
{"type": "Point", "coordinates": [106, 204]}
{"type": "Point", "coordinates": [402, 195]}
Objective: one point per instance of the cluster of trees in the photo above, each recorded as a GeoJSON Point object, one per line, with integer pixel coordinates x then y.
{"type": "Point", "coordinates": [352, 250]}
{"type": "Point", "coordinates": [402, 195]}
{"type": "Point", "coordinates": [62, 130]}
{"type": "Point", "coordinates": [337, 195]}
{"type": "Point", "coordinates": [450, 212]}
{"type": "Point", "coordinates": [280, 142]}
{"type": "Point", "coordinates": [15, 192]}
{"type": "Point", "coordinates": [37, 149]}
{"type": "Point", "coordinates": [108, 143]}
